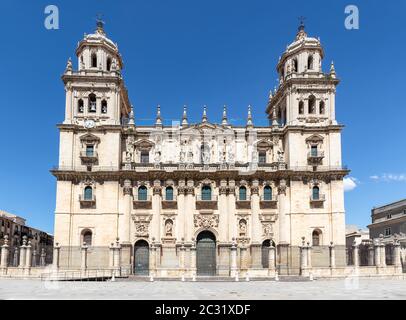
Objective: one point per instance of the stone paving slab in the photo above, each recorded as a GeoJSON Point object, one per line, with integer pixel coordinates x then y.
{"type": "Point", "coordinates": [351, 289]}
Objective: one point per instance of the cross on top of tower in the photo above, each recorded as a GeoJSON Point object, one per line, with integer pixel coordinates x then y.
{"type": "Point", "coordinates": [302, 25]}
{"type": "Point", "coordinates": [100, 23]}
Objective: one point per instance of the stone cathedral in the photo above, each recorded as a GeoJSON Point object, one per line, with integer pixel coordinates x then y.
{"type": "Point", "coordinates": [199, 199]}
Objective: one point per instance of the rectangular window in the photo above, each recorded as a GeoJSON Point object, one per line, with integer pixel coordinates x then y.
{"type": "Point", "coordinates": [145, 157]}
{"type": "Point", "coordinates": [89, 151]}
{"type": "Point", "coordinates": [388, 231]}
{"type": "Point", "coordinates": [262, 157]}
{"type": "Point", "coordinates": [389, 216]}
{"type": "Point", "coordinates": [314, 151]}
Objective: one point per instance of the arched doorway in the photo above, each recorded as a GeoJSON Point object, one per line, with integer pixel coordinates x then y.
{"type": "Point", "coordinates": [141, 258]}
{"type": "Point", "coordinates": [206, 254]}
{"type": "Point", "coordinates": [265, 253]}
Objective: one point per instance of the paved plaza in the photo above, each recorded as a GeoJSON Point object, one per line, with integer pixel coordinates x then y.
{"type": "Point", "coordinates": [353, 289]}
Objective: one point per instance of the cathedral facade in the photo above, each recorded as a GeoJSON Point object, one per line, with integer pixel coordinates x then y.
{"type": "Point", "coordinates": [199, 199]}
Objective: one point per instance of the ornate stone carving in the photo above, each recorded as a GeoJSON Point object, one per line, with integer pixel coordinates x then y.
{"type": "Point", "coordinates": [254, 190]}
{"type": "Point", "coordinates": [242, 228]}
{"type": "Point", "coordinates": [157, 190]}
{"type": "Point", "coordinates": [223, 190]}
{"type": "Point", "coordinates": [206, 221]}
{"type": "Point", "coordinates": [169, 228]}
{"type": "Point", "coordinates": [141, 225]}
{"type": "Point", "coordinates": [282, 187]}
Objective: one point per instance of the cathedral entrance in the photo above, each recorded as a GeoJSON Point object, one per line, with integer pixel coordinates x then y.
{"type": "Point", "coordinates": [206, 254]}
{"type": "Point", "coordinates": [141, 258]}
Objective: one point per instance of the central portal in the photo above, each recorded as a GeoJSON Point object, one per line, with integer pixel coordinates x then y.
{"type": "Point", "coordinates": [141, 258]}
{"type": "Point", "coordinates": [206, 254]}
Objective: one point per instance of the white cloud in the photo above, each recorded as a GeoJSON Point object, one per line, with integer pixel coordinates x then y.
{"type": "Point", "coordinates": [350, 184]}
{"type": "Point", "coordinates": [389, 177]}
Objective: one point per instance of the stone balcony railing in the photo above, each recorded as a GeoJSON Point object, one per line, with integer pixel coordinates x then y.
{"type": "Point", "coordinates": [87, 202]}
{"type": "Point", "coordinates": [202, 202]}
{"type": "Point", "coordinates": [89, 157]}
{"type": "Point", "coordinates": [144, 202]}
{"type": "Point", "coordinates": [170, 203]}
{"type": "Point", "coordinates": [269, 203]}
{"type": "Point", "coordinates": [318, 200]}
{"type": "Point", "coordinates": [315, 157]}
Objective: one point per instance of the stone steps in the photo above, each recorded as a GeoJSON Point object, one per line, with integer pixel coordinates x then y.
{"type": "Point", "coordinates": [216, 279]}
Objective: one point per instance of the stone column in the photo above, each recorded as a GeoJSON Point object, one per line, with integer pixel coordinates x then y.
{"type": "Point", "coordinates": [55, 258]}
{"type": "Point", "coordinates": [332, 255]}
{"type": "Point", "coordinates": [223, 206]}
{"type": "Point", "coordinates": [4, 253]}
{"type": "Point", "coordinates": [43, 258]}
{"type": "Point", "coordinates": [34, 258]}
{"type": "Point", "coordinates": [182, 254]}
{"type": "Point", "coordinates": [23, 253]}
{"type": "Point", "coordinates": [231, 212]}
{"type": "Point", "coordinates": [284, 230]}
{"type": "Point", "coordinates": [383, 253]}
{"type": "Point", "coordinates": [193, 258]}
{"type": "Point", "coordinates": [153, 265]}
{"type": "Point", "coordinates": [111, 255]}
{"type": "Point", "coordinates": [256, 211]}
{"type": "Point", "coordinates": [243, 257]}
{"type": "Point", "coordinates": [303, 258]}
{"type": "Point", "coordinates": [117, 254]}
{"type": "Point", "coordinates": [83, 264]}
{"type": "Point", "coordinates": [355, 254]}
{"type": "Point", "coordinates": [28, 256]}
{"type": "Point", "coordinates": [181, 218]}
{"type": "Point", "coordinates": [189, 209]}
{"type": "Point", "coordinates": [125, 221]}
{"type": "Point", "coordinates": [233, 259]}
{"type": "Point", "coordinates": [271, 259]}
{"type": "Point", "coordinates": [377, 249]}
{"type": "Point", "coordinates": [309, 255]}
{"type": "Point", "coordinates": [396, 254]}
{"type": "Point", "coordinates": [371, 254]}
{"type": "Point", "coordinates": [15, 256]}
{"type": "Point", "coordinates": [156, 209]}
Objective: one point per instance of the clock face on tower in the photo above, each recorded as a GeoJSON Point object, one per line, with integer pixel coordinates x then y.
{"type": "Point", "coordinates": [89, 124]}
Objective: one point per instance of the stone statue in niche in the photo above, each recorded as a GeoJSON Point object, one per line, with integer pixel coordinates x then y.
{"type": "Point", "coordinates": [169, 228]}
{"type": "Point", "coordinates": [281, 156]}
{"type": "Point", "coordinates": [157, 157]}
{"type": "Point", "coordinates": [243, 228]}
{"type": "Point", "coordinates": [230, 155]}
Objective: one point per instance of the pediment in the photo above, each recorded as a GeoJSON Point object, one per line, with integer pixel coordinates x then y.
{"type": "Point", "coordinates": [89, 138]}
{"type": "Point", "coordinates": [315, 139]}
{"type": "Point", "coordinates": [144, 144]}
{"type": "Point", "coordinates": [264, 144]}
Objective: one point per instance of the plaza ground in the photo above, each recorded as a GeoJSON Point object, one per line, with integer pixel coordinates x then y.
{"type": "Point", "coordinates": [350, 288]}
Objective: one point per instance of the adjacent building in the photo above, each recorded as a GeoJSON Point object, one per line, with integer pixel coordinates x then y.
{"type": "Point", "coordinates": [180, 199]}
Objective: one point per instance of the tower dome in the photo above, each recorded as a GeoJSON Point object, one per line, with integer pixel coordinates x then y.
{"type": "Point", "coordinates": [96, 52]}
{"type": "Point", "coordinates": [303, 57]}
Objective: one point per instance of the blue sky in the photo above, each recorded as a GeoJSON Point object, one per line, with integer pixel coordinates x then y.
{"type": "Point", "coordinates": [203, 52]}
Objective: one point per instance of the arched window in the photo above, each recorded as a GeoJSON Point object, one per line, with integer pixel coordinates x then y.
{"type": "Point", "coordinates": [316, 193]}
{"type": "Point", "coordinates": [322, 107]}
{"type": "Point", "coordinates": [92, 103]}
{"type": "Point", "coordinates": [206, 193]}
{"type": "Point", "coordinates": [142, 193]}
{"type": "Point", "coordinates": [104, 106]}
{"type": "Point", "coordinates": [310, 62]}
{"type": "Point", "coordinates": [169, 194]}
{"type": "Point", "coordinates": [267, 193]}
{"type": "Point", "coordinates": [301, 107]}
{"type": "Point", "coordinates": [80, 106]}
{"type": "Point", "coordinates": [94, 60]}
{"type": "Point", "coordinates": [312, 105]}
{"type": "Point", "coordinates": [87, 237]}
{"type": "Point", "coordinates": [88, 193]}
{"type": "Point", "coordinates": [108, 64]}
{"type": "Point", "coordinates": [316, 238]}
{"type": "Point", "coordinates": [243, 194]}
{"type": "Point", "coordinates": [295, 67]}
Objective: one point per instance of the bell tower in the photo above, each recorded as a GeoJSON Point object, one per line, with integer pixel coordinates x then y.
{"type": "Point", "coordinates": [95, 92]}
{"type": "Point", "coordinates": [306, 95]}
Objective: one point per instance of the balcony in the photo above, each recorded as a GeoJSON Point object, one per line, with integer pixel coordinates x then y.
{"type": "Point", "coordinates": [144, 202]}
{"type": "Point", "coordinates": [89, 157]}
{"type": "Point", "coordinates": [170, 203]}
{"type": "Point", "coordinates": [315, 157]}
{"type": "Point", "coordinates": [206, 202]}
{"type": "Point", "coordinates": [317, 201]}
{"type": "Point", "coordinates": [243, 203]}
{"type": "Point", "coordinates": [269, 203]}
{"type": "Point", "coordinates": [87, 202]}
